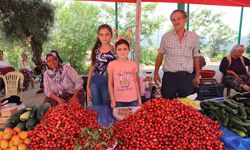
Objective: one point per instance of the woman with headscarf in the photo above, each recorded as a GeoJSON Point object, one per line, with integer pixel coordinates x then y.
{"type": "Point", "coordinates": [62, 84]}
{"type": "Point", "coordinates": [233, 67]}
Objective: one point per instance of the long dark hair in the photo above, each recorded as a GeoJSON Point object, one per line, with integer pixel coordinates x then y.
{"type": "Point", "coordinates": [98, 42]}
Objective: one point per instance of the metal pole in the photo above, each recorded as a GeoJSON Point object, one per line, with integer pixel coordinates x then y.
{"type": "Point", "coordinates": [181, 6]}
{"type": "Point", "coordinates": [240, 26]}
{"type": "Point", "coordinates": [116, 17]}
{"type": "Point", "coordinates": [138, 32]}
{"type": "Point", "coordinates": [187, 25]}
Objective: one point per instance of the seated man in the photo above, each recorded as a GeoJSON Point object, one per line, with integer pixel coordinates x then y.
{"type": "Point", "coordinates": [234, 70]}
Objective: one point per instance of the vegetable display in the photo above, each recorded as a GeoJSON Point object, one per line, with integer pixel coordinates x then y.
{"type": "Point", "coordinates": [232, 114]}
{"type": "Point", "coordinates": [29, 117]}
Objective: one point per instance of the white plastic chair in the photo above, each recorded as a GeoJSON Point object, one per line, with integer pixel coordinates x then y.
{"type": "Point", "coordinates": [11, 81]}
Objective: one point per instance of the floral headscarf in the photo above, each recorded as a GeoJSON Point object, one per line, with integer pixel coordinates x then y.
{"type": "Point", "coordinates": [55, 74]}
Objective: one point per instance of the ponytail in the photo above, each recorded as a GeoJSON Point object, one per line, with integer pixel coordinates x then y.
{"type": "Point", "coordinates": [93, 53]}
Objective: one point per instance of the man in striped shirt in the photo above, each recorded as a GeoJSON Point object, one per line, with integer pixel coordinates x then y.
{"type": "Point", "coordinates": [179, 48]}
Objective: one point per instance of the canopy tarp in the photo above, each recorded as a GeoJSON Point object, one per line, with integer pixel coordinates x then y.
{"type": "Point", "coordinates": [245, 3]}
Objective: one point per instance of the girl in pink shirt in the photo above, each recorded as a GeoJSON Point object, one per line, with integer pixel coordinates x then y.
{"type": "Point", "coordinates": [122, 78]}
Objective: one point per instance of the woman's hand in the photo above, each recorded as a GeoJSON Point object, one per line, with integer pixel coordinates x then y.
{"type": "Point", "coordinates": [88, 93]}
{"type": "Point", "coordinates": [113, 104]}
{"type": "Point", "coordinates": [60, 101]}
{"type": "Point", "coordinates": [73, 99]}
{"type": "Point", "coordinates": [233, 73]}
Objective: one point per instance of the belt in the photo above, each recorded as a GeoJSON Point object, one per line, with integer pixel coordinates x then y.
{"type": "Point", "coordinates": [178, 72]}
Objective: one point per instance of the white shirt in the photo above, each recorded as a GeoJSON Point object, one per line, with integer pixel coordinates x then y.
{"type": "Point", "coordinates": [4, 63]}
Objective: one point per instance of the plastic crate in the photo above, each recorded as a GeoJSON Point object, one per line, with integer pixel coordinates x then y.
{"type": "Point", "coordinates": [207, 91]}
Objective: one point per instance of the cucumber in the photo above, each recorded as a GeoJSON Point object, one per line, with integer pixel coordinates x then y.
{"type": "Point", "coordinates": [243, 118]}
{"type": "Point", "coordinates": [15, 118]}
{"type": "Point", "coordinates": [247, 109]}
{"type": "Point", "coordinates": [219, 114]}
{"type": "Point", "coordinates": [239, 132]}
{"type": "Point", "coordinates": [25, 116]}
{"type": "Point", "coordinates": [213, 115]}
{"type": "Point", "coordinates": [239, 122]}
{"type": "Point", "coordinates": [235, 117]}
{"type": "Point", "coordinates": [230, 104]}
{"type": "Point", "coordinates": [33, 113]}
{"type": "Point", "coordinates": [207, 103]}
{"type": "Point", "coordinates": [31, 123]}
{"type": "Point", "coordinates": [226, 120]}
{"type": "Point", "coordinates": [42, 110]}
{"type": "Point", "coordinates": [230, 110]}
{"type": "Point", "coordinates": [244, 129]}
{"type": "Point", "coordinates": [242, 110]}
{"type": "Point", "coordinates": [217, 104]}
{"type": "Point", "coordinates": [223, 111]}
{"type": "Point", "coordinates": [22, 126]}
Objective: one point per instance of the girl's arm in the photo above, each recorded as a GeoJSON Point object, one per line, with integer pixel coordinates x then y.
{"type": "Point", "coordinates": [111, 88]}
{"type": "Point", "coordinates": [136, 78]}
{"type": "Point", "coordinates": [91, 69]}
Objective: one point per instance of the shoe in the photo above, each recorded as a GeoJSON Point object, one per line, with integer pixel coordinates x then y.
{"type": "Point", "coordinates": [40, 91]}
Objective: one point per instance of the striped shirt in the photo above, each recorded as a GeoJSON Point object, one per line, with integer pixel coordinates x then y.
{"type": "Point", "coordinates": [179, 56]}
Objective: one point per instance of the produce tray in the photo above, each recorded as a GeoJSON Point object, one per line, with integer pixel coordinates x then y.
{"type": "Point", "coordinates": [118, 116]}
{"type": "Point", "coordinates": [231, 139]}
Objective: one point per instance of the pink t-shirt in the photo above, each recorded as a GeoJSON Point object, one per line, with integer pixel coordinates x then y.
{"type": "Point", "coordinates": [124, 83]}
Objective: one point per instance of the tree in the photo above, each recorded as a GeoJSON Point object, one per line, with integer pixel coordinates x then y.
{"type": "Point", "coordinates": [215, 36]}
{"type": "Point", "coordinates": [150, 22]}
{"type": "Point", "coordinates": [248, 46]}
{"type": "Point", "coordinates": [75, 33]}
{"type": "Point", "coordinates": [27, 21]}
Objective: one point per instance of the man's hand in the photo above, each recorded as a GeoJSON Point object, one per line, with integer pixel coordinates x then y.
{"type": "Point", "coordinates": [197, 81]}
{"type": "Point", "coordinates": [157, 78]}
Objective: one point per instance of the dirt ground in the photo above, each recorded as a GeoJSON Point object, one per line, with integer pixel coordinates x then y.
{"type": "Point", "coordinates": [30, 95]}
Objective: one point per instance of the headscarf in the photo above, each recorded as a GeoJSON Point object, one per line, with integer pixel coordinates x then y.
{"type": "Point", "coordinates": [237, 47]}
{"type": "Point", "coordinates": [55, 74]}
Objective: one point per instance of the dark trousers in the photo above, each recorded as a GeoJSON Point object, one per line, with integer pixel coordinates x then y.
{"type": "Point", "coordinates": [177, 84]}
